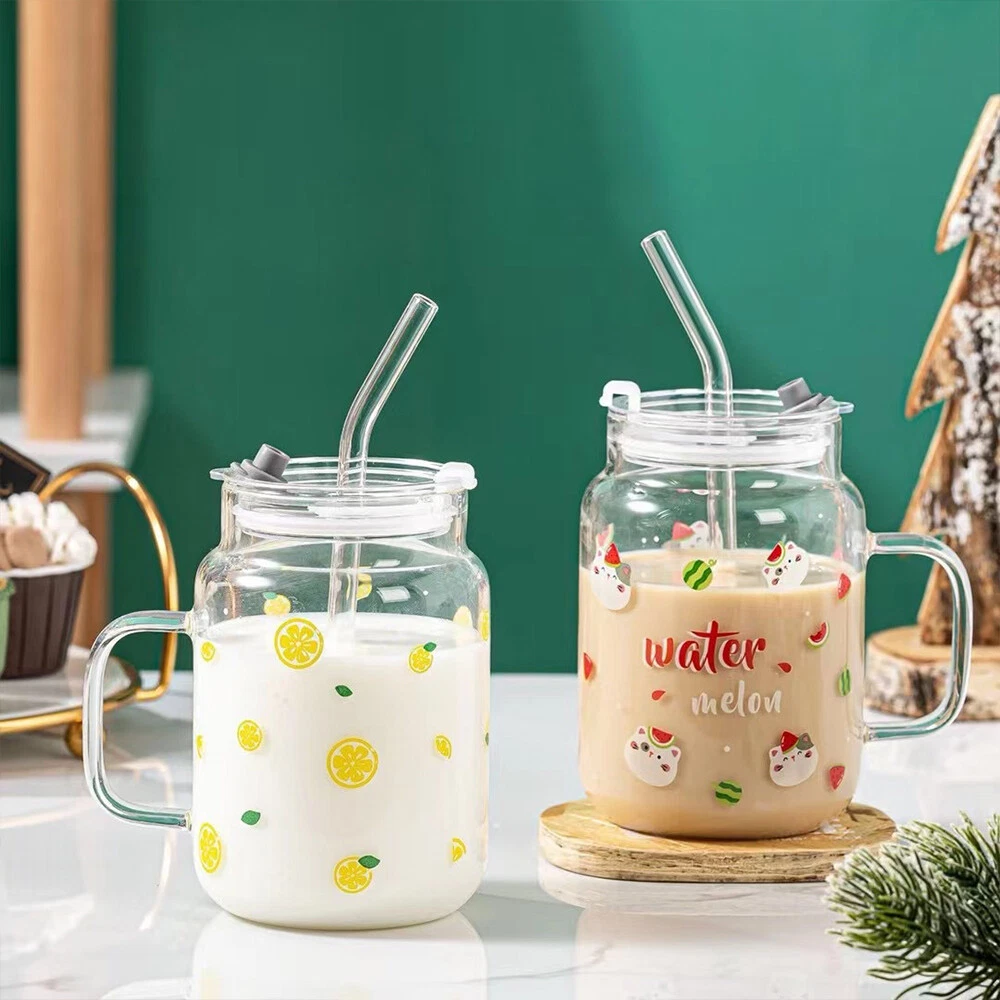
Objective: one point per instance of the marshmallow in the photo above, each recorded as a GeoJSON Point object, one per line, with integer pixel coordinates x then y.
{"type": "Point", "coordinates": [74, 546]}
{"type": "Point", "coordinates": [57, 529]}
{"type": "Point", "coordinates": [26, 510]}
{"type": "Point", "coordinates": [26, 547]}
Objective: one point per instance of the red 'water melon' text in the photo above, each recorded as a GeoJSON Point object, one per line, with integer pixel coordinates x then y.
{"type": "Point", "coordinates": [709, 650]}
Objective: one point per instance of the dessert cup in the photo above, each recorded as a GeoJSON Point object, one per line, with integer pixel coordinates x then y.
{"type": "Point", "coordinates": [41, 614]}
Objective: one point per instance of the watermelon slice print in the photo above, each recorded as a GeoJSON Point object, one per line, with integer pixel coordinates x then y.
{"type": "Point", "coordinates": [660, 737]}
{"type": "Point", "coordinates": [787, 741]}
{"type": "Point", "coordinates": [819, 637]}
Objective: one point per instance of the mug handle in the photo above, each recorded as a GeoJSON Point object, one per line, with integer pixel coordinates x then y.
{"type": "Point", "coordinates": [93, 717]}
{"type": "Point", "coordinates": [903, 543]}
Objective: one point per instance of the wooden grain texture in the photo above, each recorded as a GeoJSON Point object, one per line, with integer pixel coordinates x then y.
{"type": "Point", "coordinates": [50, 187]}
{"type": "Point", "coordinates": [907, 677]}
{"type": "Point", "coordinates": [93, 510]}
{"type": "Point", "coordinates": [572, 836]}
{"type": "Point", "coordinates": [97, 123]}
{"type": "Point", "coordinates": [962, 184]}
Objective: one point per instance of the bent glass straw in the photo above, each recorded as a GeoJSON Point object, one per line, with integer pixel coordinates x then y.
{"type": "Point", "coordinates": [363, 413]}
{"type": "Point", "coordinates": [715, 368]}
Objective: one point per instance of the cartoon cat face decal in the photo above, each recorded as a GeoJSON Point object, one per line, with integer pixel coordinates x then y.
{"type": "Point", "coordinates": [793, 760]}
{"type": "Point", "coordinates": [786, 566]}
{"type": "Point", "coordinates": [652, 756]}
{"type": "Point", "coordinates": [690, 536]}
{"type": "Point", "coordinates": [610, 578]}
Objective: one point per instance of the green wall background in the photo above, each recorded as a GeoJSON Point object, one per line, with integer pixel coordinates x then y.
{"type": "Point", "coordinates": [288, 173]}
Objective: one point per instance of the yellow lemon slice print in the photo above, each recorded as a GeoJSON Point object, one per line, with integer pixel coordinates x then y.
{"type": "Point", "coordinates": [249, 735]}
{"type": "Point", "coordinates": [352, 762]}
{"type": "Point", "coordinates": [277, 604]}
{"type": "Point", "coordinates": [484, 624]}
{"type": "Point", "coordinates": [207, 651]}
{"type": "Point", "coordinates": [421, 657]}
{"type": "Point", "coordinates": [209, 848]}
{"type": "Point", "coordinates": [463, 616]}
{"type": "Point", "coordinates": [298, 643]}
{"type": "Point", "coordinates": [199, 746]}
{"type": "Point", "coordinates": [443, 745]}
{"type": "Point", "coordinates": [353, 874]}
{"type": "Point", "coordinates": [364, 586]}
{"type": "Point", "coordinates": [457, 848]}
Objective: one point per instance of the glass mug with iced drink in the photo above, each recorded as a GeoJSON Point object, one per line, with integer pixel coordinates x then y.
{"type": "Point", "coordinates": [721, 598]}
{"type": "Point", "coordinates": [341, 674]}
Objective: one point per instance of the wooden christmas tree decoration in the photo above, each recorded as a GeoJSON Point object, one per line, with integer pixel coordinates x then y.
{"type": "Point", "coordinates": [957, 496]}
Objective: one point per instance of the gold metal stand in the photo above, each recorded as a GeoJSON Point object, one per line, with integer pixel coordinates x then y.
{"type": "Point", "coordinates": [72, 717]}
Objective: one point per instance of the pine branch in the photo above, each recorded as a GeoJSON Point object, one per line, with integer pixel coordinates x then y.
{"type": "Point", "coordinates": [929, 900]}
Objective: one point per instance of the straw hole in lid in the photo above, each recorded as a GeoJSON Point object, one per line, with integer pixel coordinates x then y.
{"type": "Point", "coordinates": [621, 387]}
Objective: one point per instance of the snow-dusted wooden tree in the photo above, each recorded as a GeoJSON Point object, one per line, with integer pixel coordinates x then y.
{"type": "Point", "coordinates": [957, 496]}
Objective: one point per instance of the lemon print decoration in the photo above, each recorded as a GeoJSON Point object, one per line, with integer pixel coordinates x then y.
{"type": "Point", "coordinates": [354, 874]}
{"type": "Point", "coordinates": [364, 585]}
{"type": "Point", "coordinates": [463, 617]}
{"type": "Point", "coordinates": [298, 643]}
{"type": "Point", "coordinates": [276, 604]}
{"type": "Point", "coordinates": [421, 657]}
{"type": "Point", "coordinates": [457, 849]}
{"type": "Point", "coordinates": [207, 651]}
{"type": "Point", "coordinates": [352, 762]}
{"type": "Point", "coordinates": [209, 848]}
{"type": "Point", "coordinates": [199, 746]}
{"type": "Point", "coordinates": [484, 624]}
{"type": "Point", "coordinates": [249, 735]}
{"type": "Point", "coordinates": [443, 745]}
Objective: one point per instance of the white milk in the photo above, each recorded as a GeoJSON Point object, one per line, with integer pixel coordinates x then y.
{"type": "Point", "coordinates": [419, 808]}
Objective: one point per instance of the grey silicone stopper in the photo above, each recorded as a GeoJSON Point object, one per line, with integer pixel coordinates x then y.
{"type": "Point", "coordinates": [268, 465]}
{"type": "Point", "coordinates": [796, 396]}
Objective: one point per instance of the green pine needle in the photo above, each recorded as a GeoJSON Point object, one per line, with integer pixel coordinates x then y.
{"type": "Point", "coordinates": [929, 900]}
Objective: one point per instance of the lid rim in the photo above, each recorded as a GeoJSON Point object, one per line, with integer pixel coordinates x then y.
{"type": "Point", "coordinates": [315, 479]}
{"type": "Point", "coordinates": [754, 409]}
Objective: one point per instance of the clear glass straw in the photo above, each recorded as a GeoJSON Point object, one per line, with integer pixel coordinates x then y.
{"type": "Point", "coordinates": [716, 371]}
{"type": "Point", "coordinates": [358, 424]}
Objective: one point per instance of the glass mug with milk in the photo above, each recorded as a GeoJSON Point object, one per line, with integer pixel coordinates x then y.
{"type": "Point", "coordinates": [721, 678]}
{"type": "Point", "coordinates": [341, 683]}
{"type": "Point", "coordinates": [340, 763]}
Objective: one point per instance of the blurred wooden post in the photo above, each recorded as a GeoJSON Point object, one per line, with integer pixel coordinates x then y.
{"type": "Point", "coordinates": [96, 97]}
{"type": "Point", "coordinates": [50, 180]}
{"type": "Point", "coordinates": [64, 88]}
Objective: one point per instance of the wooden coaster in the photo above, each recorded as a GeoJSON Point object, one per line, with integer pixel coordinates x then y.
{"type": "Point", "coordinates": [574, 837]}
{"type": "Point", "coordinates": [905, 677]}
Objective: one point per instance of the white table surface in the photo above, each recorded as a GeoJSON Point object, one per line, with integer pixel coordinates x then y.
{"type": "Point", "coordinates": [91, 907]}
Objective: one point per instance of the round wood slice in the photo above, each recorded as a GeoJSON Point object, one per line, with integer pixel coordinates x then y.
{"type": "Point", "coordinates": [905, 677]}
{"type": "Point", "coordinates": [574, 837]}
